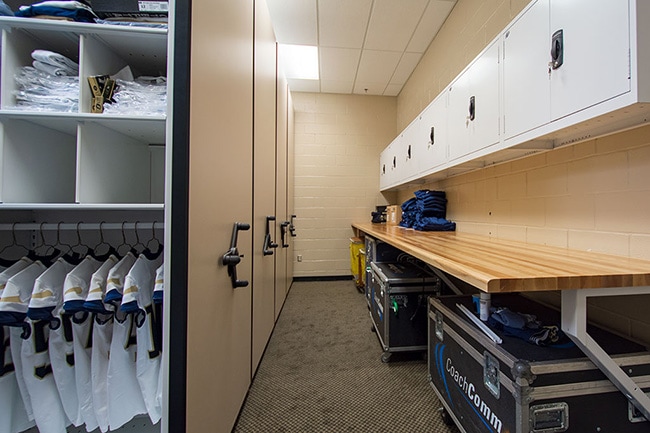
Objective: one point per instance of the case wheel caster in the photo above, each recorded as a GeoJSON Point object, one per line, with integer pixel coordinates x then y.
{"type": "Point", "coordinates": [385, 357]}
{"type": "Point", "coordinates": [446, 418]}
{"type": "Point", "coordinates": [372, 329]}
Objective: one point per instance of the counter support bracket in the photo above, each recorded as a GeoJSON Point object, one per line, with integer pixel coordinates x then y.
{"type": "Point", "coordinates": [574, 324]}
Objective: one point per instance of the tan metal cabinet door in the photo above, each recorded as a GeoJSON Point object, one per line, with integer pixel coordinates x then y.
{"type": "Point", "coordinates": [281, 286]}
{"type": "Point", "coordinates": [220, 194]}
{"type": "Point", "coordinates": [265, 247]}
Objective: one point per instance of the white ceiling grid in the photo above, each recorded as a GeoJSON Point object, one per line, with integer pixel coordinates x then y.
{"type": "Point", "coordinates": [365, 46]}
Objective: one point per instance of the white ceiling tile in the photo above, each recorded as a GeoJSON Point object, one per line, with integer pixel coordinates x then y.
{"type": "Point", "coordinates": [298, 85]}
{"type": "Point", "coordinates": [433, 18]}
{"type": "Point", "coordinates": [327, 86]}
{"type": "Point", "coordinates": [393, 89]}
{"type": "Point", "coordinates": [339, 64]}
{"type": "Point", "coordinates": [407, 63]}
{"type": "Point", "coordinates": [342, 23]}
{"type": "Point", "coordinates": [392, 23]}
{"type": "Point", "coordinates": [377, 66]}
{"type": "Point", "coordinates": [294, 21]}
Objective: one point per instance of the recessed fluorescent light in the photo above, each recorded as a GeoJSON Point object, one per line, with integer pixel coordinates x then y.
{"type": "Point", "coordinates": [299, 61]}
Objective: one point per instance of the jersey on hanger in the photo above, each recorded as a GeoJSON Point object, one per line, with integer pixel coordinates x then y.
{"type": "Point", "coordinates": [13, 414]}
{"type": "Point", "coordinates": [137, 300]}
{"type": "Point", "coordinates": [47, 355]}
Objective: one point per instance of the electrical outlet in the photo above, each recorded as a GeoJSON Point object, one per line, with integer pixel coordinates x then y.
{"type": "Point", "coordinates": [299, 257]}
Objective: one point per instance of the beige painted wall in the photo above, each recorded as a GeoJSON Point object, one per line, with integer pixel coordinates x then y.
{"type": "Point", "coordinates": [589, 196]}
{"type": "Point", "coordinates": [338, 139]}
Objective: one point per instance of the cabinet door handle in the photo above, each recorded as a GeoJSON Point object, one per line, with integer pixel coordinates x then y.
{"type": "Point", "coordinates": [557, 49]}
{"type": "Point", "coordinates": [269, 245]}
{"type": "Point", "coordinates": [232, 256]}
{"type": "Point", "coordinates": [283, 233]}
{"type": "Point", "coordinates": [432, 135]}
{"type": "Point", "coordinates": [292, 228]}
{"type": "Point", "coordinates": [472, 108]}
{"type": "Point", "coordinates": [408, 152]}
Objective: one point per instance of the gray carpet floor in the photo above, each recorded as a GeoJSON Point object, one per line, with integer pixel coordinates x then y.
{"type": "Point", "coordinates": [322, 372]}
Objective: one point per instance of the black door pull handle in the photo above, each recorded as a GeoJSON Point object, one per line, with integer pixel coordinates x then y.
{"type": "Point", "coordinates": [557, 49]}
{"type": "Point", "coordinates": [269, 245]}
{"type": "Point", "coordinates": [232, 257]}
{"type": "Point", "coordinates": [283, 233]}
{"type": "Point", "coordinates": [292, 228]}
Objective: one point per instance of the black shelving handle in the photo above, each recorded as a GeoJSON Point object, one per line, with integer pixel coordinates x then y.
{"type": "Point", "coordinates": [269, 245]}
{"type": "Point", "coordinates": [232, 257]}
{"type": "Point", "coordinates": [283, 233]}
{"type": "Point", "coordinates": [292, 228]}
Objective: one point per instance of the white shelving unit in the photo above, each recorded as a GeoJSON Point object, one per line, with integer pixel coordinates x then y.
{"type": "Point", "coordinates": [83, 168]}
{"type": "Point", "coordinates": [80, 158]}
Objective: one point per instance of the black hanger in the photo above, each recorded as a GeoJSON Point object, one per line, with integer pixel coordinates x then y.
{"type": "Point", "coordinates": [8, 248]}
{"type": "Point", "coordinates": [125, 244]}
{"type": "Point", "coordinates": [139, 246]}
{"type": "Point", "coordinates": [103, 243]}
{"type": "Point", "coordinates": [154, 240]}
{"type": "Point", "coordinates": [49, 252]}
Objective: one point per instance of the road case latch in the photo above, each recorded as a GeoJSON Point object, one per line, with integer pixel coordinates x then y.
{"type": "Point", "coordinates": [549, 418]}
{"type": "Point", "coordinates": [491, 374]}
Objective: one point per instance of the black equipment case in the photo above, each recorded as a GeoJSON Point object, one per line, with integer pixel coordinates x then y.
{"type": "Point", "coordinates": [520, 387]}
{"type": "Point", "coordinates": [398, 305]}
{"type": "Point", "coordinates": [378, 252]}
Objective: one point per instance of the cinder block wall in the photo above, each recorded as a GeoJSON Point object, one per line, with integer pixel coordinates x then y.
{"type": "Point", "coordinates": [338, 139]}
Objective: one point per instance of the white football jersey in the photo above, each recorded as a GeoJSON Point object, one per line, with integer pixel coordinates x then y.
{"type": "Point", "coordinates": [158, 296]}
{"type": "Point", "coordinates": [13, 311]}
{"type": "Point", "coordinates": [13, 414]}
{"type": "Point", "coordinates": [102, 336]}
{"type": "Point", "coordinates": [137, 299]}
{"type": "Point", "coordinates": [97, 290]}
{"type": "Point", "coordinates": [101, 340]}
{"type": "Point", "coordinates": [124, 396]}
{"type": "Point", "coordinates": [75, 290]}
{"type": "Point", "coordinates": [49, 353]}
{"type": "Point", "coordinates": [77, 283]}
{"type": "Point", "coordinates": [48, 411]}
{"type": "Point", "coordinates": [115, 280]}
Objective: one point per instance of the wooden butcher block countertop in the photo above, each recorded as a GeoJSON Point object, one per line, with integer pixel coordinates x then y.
{"type": "Point", "coordinates": [495, 265]}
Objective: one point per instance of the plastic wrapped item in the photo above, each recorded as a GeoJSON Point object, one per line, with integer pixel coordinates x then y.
{"type": "Point", "coordinates": [144, 96]}
{"type": "Point", "coordinates": [39, 91]}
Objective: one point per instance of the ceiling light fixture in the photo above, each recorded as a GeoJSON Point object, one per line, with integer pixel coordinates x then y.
{"type": "Point", "coordinates": [299, 61]}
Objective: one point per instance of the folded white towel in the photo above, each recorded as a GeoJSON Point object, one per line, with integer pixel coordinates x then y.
{"type": "Point", "coordinates": [55, 59]}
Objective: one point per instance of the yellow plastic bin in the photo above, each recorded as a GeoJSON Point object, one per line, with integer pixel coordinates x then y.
{"type": "Point", "coordinates": [358, 261]}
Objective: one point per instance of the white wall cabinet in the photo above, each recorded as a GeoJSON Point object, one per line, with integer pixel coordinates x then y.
{"type": "Point", "coordinates": [408, 156]}
{"type": "Point", "coordinates": [561, 57]}
{"type": "Point", "coordinates": [595, 48]}
{"type": "Point", "coordinates": [526, 95]}
{"type": "Point", "coordinates": [559, 73]}
{"type": "Point", "coordinates": [388, 164]}
{"type": "Point", "coordinates": [473, 119]}
{"type": "Point", "coordinates": [432, 141]}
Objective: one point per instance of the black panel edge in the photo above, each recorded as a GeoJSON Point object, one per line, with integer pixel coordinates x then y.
{"type": "Point", "coordinates": [177, 399]}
